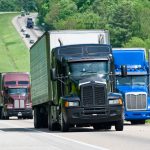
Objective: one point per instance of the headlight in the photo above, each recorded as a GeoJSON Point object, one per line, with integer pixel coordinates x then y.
{"type": "Point", "coordinates": [115, 101]}
{"type": "Point", "coordinates": [71, 104]}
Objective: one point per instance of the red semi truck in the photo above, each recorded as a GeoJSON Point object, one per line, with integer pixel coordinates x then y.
{"type": "Point", "coordinates": [15, 97]}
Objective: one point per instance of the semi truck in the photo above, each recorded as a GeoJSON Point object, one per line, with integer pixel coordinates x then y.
{"type": "Point", "coordinates": [72, 75]}
{"type": "Point", "coordinates": [15, 97]}
{"type": "Point", "coordinates": [135, 85]}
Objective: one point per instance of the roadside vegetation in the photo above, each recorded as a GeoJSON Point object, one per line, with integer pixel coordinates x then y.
{"type": "Point", "coordinates": [147, 121]}
{"type": "Point", "coordinates": [14, 55]}
{"type": "Point", "coordinates": [127, 20]}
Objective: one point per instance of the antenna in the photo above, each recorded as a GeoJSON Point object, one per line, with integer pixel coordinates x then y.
{"type": "Point", "coordinates": [60, 42]}
{"type": "Point", "coordinates": [101, 39]}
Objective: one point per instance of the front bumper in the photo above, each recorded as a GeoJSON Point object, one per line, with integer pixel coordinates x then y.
{"type": "Point", "coordinates": [20, 112]}
{"type": "Point", "coordinates": [137, 115]}
{"type": "Point", "coordinates": [93, 115]}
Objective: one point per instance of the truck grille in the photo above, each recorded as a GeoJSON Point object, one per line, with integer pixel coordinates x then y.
{"type": "Point", "coordinates": [93, 94]}
{"type": "Point", "coordinates": [16, 104]}
{"type": "Point", "coordinates": [19, 104]}
{"type": "Point", "coordinates": [136, 101]}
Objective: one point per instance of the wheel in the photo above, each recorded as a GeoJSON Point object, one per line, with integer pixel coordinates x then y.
{"type": "Point", "coordinates": [119, 125]}
{"type": "Point", "coordinates": [64, 126]}
{"type": "Point", "coordinates": [31, 117]}
{"type": "Point", "coordinates": [37, 120]}
{"type": "Point", "coordinates": [141, 121]}
{"type": "Point", "coordinates": [108, 127]}
{"type": "Point", "coordinates": [138, 122]}
{"type": "Point", "coordinates": [4, 114]}
{"type": "Point", "coordinates": [1, 116]}
{"type": "Point", "coordinates": [51, 124]}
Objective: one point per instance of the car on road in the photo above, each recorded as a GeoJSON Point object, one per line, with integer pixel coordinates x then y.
{"type": "Point", "coordinates": [31, 41]}
{"type": "Point", "coordinates": [22, 13]}
{"type": "Point", "coordinates": [27, 13]}
{"type": "Point", "coordinates": [23, 29]}
{"type": "Point", "coordinates": [27, 35]}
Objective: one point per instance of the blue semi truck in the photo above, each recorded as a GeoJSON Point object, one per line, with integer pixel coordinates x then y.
{"type": "Point", "coordinates": [135, 85]}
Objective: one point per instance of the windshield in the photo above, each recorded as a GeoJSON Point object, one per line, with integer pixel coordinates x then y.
{"type": "Point", "coordinates": [80, 69]}
{"type": "Point", "coordinates": [131, 80]}
{"type": "Point", "coordinates": [21, 91]}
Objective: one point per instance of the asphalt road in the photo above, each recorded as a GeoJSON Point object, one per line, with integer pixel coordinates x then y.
{"type": "Point", "coordinates": [19, 22]}
{"type": "Point", "coordinates": [20, 135]}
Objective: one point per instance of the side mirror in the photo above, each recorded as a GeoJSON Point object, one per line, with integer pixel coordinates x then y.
{"type": "Point", "coordinates": [123, 70]}
{"type": "Point", "coordinates": [53, 74]}
{"type": "Point", "coordinates": [2, 93]}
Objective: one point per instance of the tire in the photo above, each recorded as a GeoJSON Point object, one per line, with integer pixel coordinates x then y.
{"type": "Point", "coordinates": [51, 125]}
{"type": "Point", "coordinates": [133, 122]}
{"type": "Point", "coordinates": [1, 117]}
{"type": "Point", "coordinates": [119, 125]}
{"type": "Point", "coordinates": [37, 120]}
{"type": "Point", "coordinates": [64, 126]}
{"type": "Point", "coordinates": [4, 115]}
{"type": "Point", "coordinates": [108, 127]}
{"type": "Point", "coordinates": [31, 117]}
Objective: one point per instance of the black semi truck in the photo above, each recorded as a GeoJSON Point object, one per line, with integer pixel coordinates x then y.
{"type": "Point", "coordinates": [73, 82]}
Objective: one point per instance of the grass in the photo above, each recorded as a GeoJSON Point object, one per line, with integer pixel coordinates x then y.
{"type": "Point", "coordinates": [14, 55]}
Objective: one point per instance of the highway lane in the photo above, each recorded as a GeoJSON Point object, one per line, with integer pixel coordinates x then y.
{"type": "Point", "coordinates": [19, 22]}
{"type": "Point", "coordinates": [21, 135]}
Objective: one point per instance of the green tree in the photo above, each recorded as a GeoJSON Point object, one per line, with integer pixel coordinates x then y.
{"type": "Point", "coordinates": [7, 5]}
{"type": "Point", "coordinates": [60, 11]}
{"type": "Point", "coordinates": [135, 42]}
{"type": "Point", "coordinates": [85, 20]}
{"type": "Point", "coordinates": [121, 23]}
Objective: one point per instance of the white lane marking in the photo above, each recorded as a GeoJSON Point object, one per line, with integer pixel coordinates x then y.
{"type": "Point", "coordinates": [81, 143]}
{"type": "Point", "coordinates": [64, 138]}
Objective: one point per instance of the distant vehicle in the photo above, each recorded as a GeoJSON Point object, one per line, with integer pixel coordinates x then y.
{"type": "Point", "coordinates": [22, 13]}
{"type": "Point", "coordinates": [15, 97]}
{"type": "Point", "coordinates": [31, 41]}
{"type": "Point", "coordinates": [30, 23]}
{"type": "Point", "coordinates": [25, 32]}
{"type": "Point", "coordinates": [27, 35]}
{"type": "Point", "coordinates": [27, 13]}
{"type": "Point", "coordinates": [36, 28]}
{"type": "Point", "coordinates": [23, 29]}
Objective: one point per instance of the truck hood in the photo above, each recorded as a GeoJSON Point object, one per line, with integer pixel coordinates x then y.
{"type": "Point", "coordinates": [18, 97]}
{"type": "Point", "coordinates": [135, 88]}
{"type": "Point", "coordinates": [94, 78]}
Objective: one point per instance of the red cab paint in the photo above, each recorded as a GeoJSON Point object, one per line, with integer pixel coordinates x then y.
{"type": "Point", "coordinates": [15, 97]}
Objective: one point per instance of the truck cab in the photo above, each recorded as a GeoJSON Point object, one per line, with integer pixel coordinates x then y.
{"type": "Point", "coordinates": [83, 88]}
{"type": "Point", "coordinates": [15, 95]}
{"type": "Point", "coordinates": [134, 86]}
{"type": "Point", "coordinates": [73, 82]}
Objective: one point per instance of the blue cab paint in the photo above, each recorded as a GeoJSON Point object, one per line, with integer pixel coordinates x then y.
{"type": "Point", "coordinates": [134, 87]}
